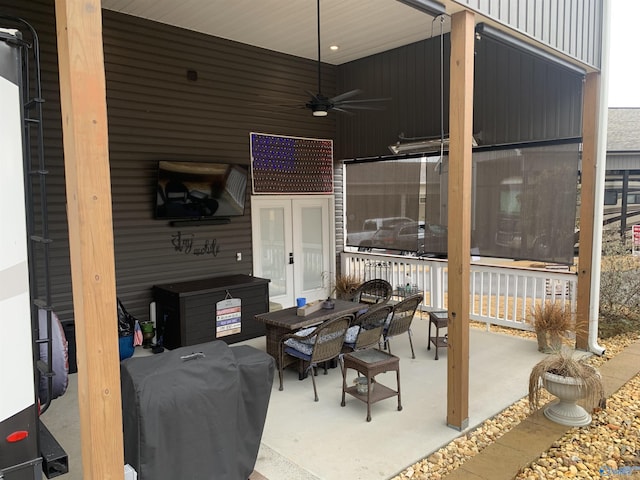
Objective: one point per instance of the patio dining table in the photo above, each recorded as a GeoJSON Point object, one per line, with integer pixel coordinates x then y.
{"type": "Point", "coordinates": [284, 321]}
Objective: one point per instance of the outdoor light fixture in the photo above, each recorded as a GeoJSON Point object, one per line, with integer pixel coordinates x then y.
{"type": "Point", "coordinates": [423, 146]}
{"type": "Point", "coordinates": [429, 7]}
{"type": "Point", "coordinates": [320, 111]}
{"type": "Point", "coordinates": [484, 30]}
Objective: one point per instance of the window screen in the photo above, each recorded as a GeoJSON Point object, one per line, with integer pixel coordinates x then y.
{"type": "Point", "coordinates": [381, 196]}
{"type": "Point", "coordinates": [524, 203]}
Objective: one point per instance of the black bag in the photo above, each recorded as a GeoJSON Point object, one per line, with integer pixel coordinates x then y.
{"type": "Point", "coordinates": [126, 321]}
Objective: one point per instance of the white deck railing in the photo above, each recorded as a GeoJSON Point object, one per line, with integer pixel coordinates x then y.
{"type": "Point", "coordinates": [499, 294]}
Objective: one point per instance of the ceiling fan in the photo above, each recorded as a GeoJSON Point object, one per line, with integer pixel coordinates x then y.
{"type": "Point", "coordinates": [320, 104]}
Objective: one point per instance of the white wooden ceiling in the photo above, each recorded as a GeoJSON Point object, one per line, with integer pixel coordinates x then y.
{"type": "Point", "coordinates": [359, 27]}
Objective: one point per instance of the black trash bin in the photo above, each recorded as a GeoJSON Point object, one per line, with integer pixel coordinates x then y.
{"type": "Point", "coordinates": [195, 412]}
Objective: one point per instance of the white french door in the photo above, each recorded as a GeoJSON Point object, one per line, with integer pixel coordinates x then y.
{"type": "Point", "coordinates": [293, 245]}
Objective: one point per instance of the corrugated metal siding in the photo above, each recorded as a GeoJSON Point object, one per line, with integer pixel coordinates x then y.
{"type": "Point", "coordinates": [517, 97]}
{"type": "Point", "coordinates": [410, 76]}
{"type": "Point", "coordinates": [155, 113]}
{"type": "Point", "coordinates": [573, 27]}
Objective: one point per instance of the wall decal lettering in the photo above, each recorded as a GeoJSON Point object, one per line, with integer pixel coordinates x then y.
{"type": "Point", "coordinates": [186, 244]}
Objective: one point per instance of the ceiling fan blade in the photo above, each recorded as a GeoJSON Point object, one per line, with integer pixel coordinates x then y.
{"type": "Point", "coordinates": [345, 95]}
{"type": "Point", "coordinates": [359, 107]}
{"type": "Point", "coordinates": [364, 100]}
{"type": "Point", "coordinates": [341, 110]}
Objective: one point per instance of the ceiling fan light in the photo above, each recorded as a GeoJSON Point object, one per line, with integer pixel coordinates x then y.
{"type": "Point", "coordinates": [320, 111]}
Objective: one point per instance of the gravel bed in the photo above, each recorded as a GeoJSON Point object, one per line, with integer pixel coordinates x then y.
{"type": "Point", "coordinates": [608, 448]}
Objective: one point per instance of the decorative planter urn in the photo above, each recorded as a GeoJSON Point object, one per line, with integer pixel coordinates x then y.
{"type": "Point", "coordinates": [564, 410]}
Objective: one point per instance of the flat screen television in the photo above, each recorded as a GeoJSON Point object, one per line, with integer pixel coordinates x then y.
{"type": "Point", "coordinates": [200, 190]}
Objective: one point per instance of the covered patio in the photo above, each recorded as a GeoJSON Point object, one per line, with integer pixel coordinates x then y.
{"type": "Point", "coordinates": [305, 440]}
{"type": "Point", "coordinates": [93, 140]}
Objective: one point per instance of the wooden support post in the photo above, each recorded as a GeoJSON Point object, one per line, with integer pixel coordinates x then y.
{"type": "Point", "coordinates": [459, 220]}
{"type": "Point", "coordinates": [587, 206]}
{"type": "Point", "coordinates": [86, 158]}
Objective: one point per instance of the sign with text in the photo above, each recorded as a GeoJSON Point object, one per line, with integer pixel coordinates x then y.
{"type": "Point", "coordinates": [636, 239]}
{"type": "Point", "coordinates": [228, 317]}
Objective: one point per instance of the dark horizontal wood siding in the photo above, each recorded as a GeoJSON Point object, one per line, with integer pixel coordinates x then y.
{"type": "Point", "coordinates": [156, 113]}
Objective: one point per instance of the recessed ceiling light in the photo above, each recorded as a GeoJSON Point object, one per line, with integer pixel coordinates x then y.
{"type": "Point", "coordinates": [334, 48]}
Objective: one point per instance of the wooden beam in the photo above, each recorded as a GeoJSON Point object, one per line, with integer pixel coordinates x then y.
{"type": "Point", "coordinates": [587, 206]}
{"type": "Point", "coordinates": [86, 159]}
{"type": "Point", "coordinates": [459, 220]}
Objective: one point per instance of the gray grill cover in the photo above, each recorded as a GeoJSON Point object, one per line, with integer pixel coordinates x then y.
{"type": "Point", "coordinates": [196, 419]}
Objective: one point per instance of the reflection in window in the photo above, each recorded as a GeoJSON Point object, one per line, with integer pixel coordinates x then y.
{"type": "Point", "coordinates": [272, 249]}
{"type": "Point", "coordinates": [312, 244]}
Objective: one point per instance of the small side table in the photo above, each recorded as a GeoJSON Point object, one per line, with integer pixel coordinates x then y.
{"type": "Point", "coordinates": [439, 318]}
{"type": "Point", "coordinates": [369, 363]}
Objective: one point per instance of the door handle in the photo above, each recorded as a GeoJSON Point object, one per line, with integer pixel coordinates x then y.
{"type": "Point", "coordinates": [291, 258]}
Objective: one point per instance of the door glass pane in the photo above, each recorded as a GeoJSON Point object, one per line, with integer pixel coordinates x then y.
{"type": "Point", "coordinates": [272, 249]}
{"type": "Point", "coordinates": [312, 247]}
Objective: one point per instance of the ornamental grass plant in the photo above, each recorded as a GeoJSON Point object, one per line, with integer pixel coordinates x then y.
{"type": "Point", "coordinates": [563, 363]}
{"type": "Point", "coordinates": [345, 286]}
{"type": "Point", "coordinates": [551, 321]}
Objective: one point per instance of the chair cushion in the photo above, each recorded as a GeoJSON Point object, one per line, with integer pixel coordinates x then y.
{"type": "Point", "coordinates": [307, 348]}
{"type": "Point", "coordinates": [387, 320]}
{"type": "Point", "coordinates": [352, 334]}
{"type": "Point", "coordinates": [303, 332]}
{"type": "Point", "coordinates": [298, 352]}
{"type": "Point", "coordinates": [293, 344]}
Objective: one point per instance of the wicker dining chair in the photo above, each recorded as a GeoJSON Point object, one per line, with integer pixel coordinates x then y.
{"type": "Point", "coordinates": [367, 330]}
{"type": "Point", "coordinates": [401, 318]}
{"type": "Point", "coordinates": [322, 344]}
{"type": "Point", "coordinates": [375, 291]}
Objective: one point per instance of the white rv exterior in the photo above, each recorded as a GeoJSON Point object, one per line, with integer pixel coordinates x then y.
{"type": "Point", "coordinates": [18, 411]}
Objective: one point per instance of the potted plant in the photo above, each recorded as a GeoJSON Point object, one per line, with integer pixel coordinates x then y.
{"type": "Point", "coordinates": [551, 320]}
{"type": "Point", "coordinates": [570, 379]}
{"type": "Point", "coordinates": [344, 286]}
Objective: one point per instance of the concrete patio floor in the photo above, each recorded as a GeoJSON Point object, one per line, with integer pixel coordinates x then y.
{"type": "Point", "coordinates": [303, 439]}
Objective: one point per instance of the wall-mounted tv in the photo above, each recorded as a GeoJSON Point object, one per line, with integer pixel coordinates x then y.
{"type": "Point", "coordinates": [200, 190]}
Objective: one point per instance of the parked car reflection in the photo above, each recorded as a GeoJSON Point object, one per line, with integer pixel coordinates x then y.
{"type": "Point", "coordinates": [414, 238]}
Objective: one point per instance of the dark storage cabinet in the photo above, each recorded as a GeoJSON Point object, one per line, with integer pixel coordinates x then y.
{"type": "Point", "coordinates": [186, 311]}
